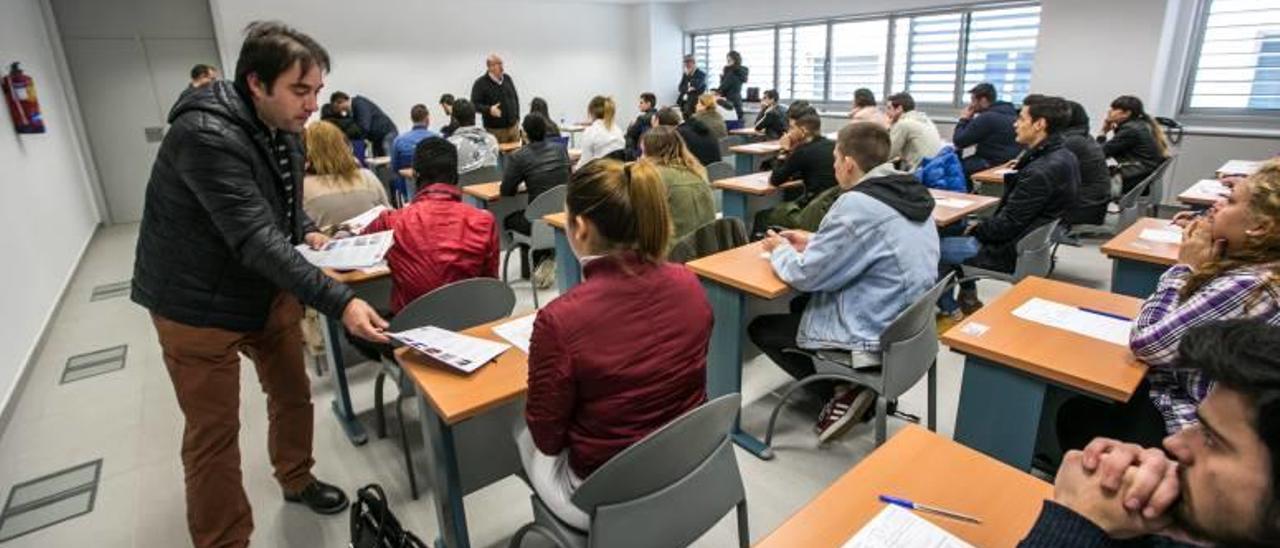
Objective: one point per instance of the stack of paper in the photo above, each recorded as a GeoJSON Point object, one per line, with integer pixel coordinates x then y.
{"type": "Point", "coordinates": [1161, 236]}
{"type": "Point", "coordinates": [1239, 167]}
{"type": "Point", "coordinates": [896, 527]}
{"type": "Point", "coordinates": [1209, 187]}
{"type": "Point", "coordinates": [1097, 325]}
{"type": "Point", "coordinates": [356, 225]}
{"type": "Point", "coordinates": [953, 203]}
{"type": "Point", "coordinates": [517, 331]}
{"type": "Point", "coordinates": [462, 352]}
{"type": "Point", "coordinates": [350, 253]}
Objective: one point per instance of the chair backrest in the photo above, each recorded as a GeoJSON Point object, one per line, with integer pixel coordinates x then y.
{"type": "Point", "coordinates": [563, 140]}
{"type": "Point", "coordinates": [670, 487]}
{"type": "Point", "coordinates": [550, 201]}
{"type": "Point", "coordinates": [720, 170]}
{"type": "Point", "coordinates": [909, 345]}
{"type": "Point", "coordinates": [716, 236]}
{"type": "Point", "coordinates": [459, 305]}
{"type": "Point", "coordinates": [1155, 183]}
{"type": "Point", "coordinates": [734, 124]}
{"type": "Point", "coordinates": [1035, 252]}
{"type": "Point", "coordinates": [732, 140]}
{"type": "Point", "coordinates": [483, 174]}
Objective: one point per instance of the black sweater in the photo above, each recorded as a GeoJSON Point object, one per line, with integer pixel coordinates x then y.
{"type": "Point", "coordinates": [811, 163]}
{"type": "Point", "coordinates": [1095, 178]}
{"type": "Point", "coordinates": [1134, 147]}
{"type": "Point", "coordinates": [372, 120]}
{"type": "Point", "coordinates": [541, 166]}
{"type": "Point", "coordinates": [486, 93]}
{"type": "Point", "coordinates": [697, 136]}
{"type": "Point", "coordinates": [1058, 526]}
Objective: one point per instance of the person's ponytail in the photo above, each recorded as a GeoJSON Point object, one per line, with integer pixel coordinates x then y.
{"type": "Point", "coordinates": [627, 203]}
{"type": "Point", "coordinates": [648, 199]}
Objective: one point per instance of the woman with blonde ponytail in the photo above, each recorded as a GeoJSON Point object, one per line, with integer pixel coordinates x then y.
{"type": "Point", "coordinates": [603, 136]}
{"type": "Point", "coordinates": [620, 354]}
{"type": "Point", "coordinates": [1228, 268]}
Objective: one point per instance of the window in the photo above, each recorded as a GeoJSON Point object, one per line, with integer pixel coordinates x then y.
{"type": "Point", "coordinates": [1002, 45]}
{"type": "Point", "coordinates": [806, 49]}
{"type": "Point", "coordinates": [858, 52]}
{"type": "Point", "coordinates": [926, 56]}
{"type": "Point", "coordinates": [1237, 67]}
{"type": "Point", "coordinates": [756, 47]}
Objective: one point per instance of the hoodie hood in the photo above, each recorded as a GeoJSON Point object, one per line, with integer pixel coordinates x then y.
{"type": "Point", "coordinates": [220, 98]}
{"type": "Point", "coordinates": [1004, 107]}
{"type": "Point", "coordinates": [697, 126]}
{"type": "Point", "coordinates": [898, 190]}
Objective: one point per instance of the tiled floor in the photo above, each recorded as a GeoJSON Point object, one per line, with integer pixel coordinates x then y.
{"type": "Point", "coordinates": [130, 419]}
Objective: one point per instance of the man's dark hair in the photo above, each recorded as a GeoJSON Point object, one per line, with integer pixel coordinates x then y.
{"type": "Point", "coordinates": [535, 127]}
{"type": "Point", "coordinates": [669, 116]}
{"type": "Point", "coordinates": [810, 122]}
{"type": "Point", "coordinates": [866, 142]}
{"type": "Point", "coordinates": [271, 48]}
{"type": "Point", "coordinates": [649, 98]}
{"type": "Point", "coordinates": [800, 108]}
{"type": "Point", "coordinates": [902, 100]}
{"type": "Point", "coordinates": [447, 99]}
{"type": "Point", "coordinates": [772, 94]}
{"type": "Point", "coordinates": [1243, 356]}
{"type": "Point", "coordinates": [1055, 111]}
{"type": "Point", "coordinates": [464, 113]}
{"type": "Point", "coordinates": [338, 96]}
{"type": "Point", "coordinates": [418, 114]}
{"type": "Point", "coordinates": [201, 70]}
{"type": "Point", "coordinates": [863, 97]}
{"type": "Point", "coordinates": [435, 160]}
{"type": "Point", "coordinates": [984, 91]}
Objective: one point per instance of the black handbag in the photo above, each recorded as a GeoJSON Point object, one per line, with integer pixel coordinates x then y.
{"type": "Point", "coordinates": [374, 526]}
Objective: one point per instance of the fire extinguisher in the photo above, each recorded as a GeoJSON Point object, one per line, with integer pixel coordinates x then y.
{"type": "Point", "coordinates": [20, 95]}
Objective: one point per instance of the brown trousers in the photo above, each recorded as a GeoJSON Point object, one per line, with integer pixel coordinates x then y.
{"type": "Point", "coordinates": [204, 365]}
{"type": "Point", "coordinates": [505, 135]}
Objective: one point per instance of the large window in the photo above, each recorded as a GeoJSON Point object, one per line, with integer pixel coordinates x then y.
{"type": "Point", "coordinates": [936, 56]}
{"type": "Point", "coordinates": [1237, 66]}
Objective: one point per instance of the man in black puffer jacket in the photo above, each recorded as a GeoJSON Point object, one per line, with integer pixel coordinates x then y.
{"type": "Point", "coordinates": [217, 268]}
{"type": "Point", "coordinates": [1040, 191]}
{"type": "Point", "coordinates": [1095, 177]}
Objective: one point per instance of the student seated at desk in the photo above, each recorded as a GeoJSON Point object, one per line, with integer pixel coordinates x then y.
{"type": "Point", "coordinates": [1216, 483]}
{"type": "Point", "coordinates": [865, 109]}
{"type": "Point", "coordinates": [805, 156]}
{"type": "Point", "coordinates": [539, 106]}
{"type": "Point", "coordinates": [1137, 142]}
{"type": "Point", "coordinates": [336, 188]}
{"type": "Point", "coordinates": [689, 197]}
{"type": "Point", "coordinates": [705, 111]}
{"type": "Point", "coordinates": [1228, 267]}
{"type": "Point", "coordinates": [642, 123]}
{"type": "Point", "coordinates": [446, 106]}
{"type": "Point", "coordinates": [438, 239]}
{"type": "Point", "coordinates": [1040, 192]}
{"type": "Point", "coordinates": [914, 136]}
{"type": "Point", "coordinates": [704, 146]}
{"type": "Point", "coordinates": [988, 124]}
{"type": "Point", "coordinates": [404, 145]}
{"type": "Point", "coordinates": [771, 121]}
{"type": "Point", "coordinates": [477, 148]}
{"type": "Point", "coordinates": [1095, 176]}
{"type": "Point", "coordinates": [874, 254]}
{"type": "Point", "coordinates": [602, 137]}
{"type": "Point", "coordinates": [541, 165]}
{"type": "Point", "coordinates": [624, 352]}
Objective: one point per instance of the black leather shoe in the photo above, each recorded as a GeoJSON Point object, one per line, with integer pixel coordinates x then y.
{"type": "Point", "coordinates": [320, 497]}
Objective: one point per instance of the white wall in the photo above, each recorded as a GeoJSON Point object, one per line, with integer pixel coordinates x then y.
{"type": "Point", "coordinates": [44, 195]}
{"type": "Point", "coordinates": [402, 52]}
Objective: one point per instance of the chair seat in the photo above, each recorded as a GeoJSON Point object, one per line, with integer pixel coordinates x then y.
{"type": "Point", "coordinates": [838, 362]}
{"type": "Point", "coordinates": [564, 534]}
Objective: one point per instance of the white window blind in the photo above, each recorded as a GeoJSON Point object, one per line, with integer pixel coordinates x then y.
{"type": "Point", "coordinates": [926, 56]}
{"type": "Point", "coordinates": [1002, 47]}
{"type": "Point", "coordinates": [717, 49]}
{"type": "Point", "coordinates": [806, 49]}
{"type": "Point", "coordinates": [858, 50]}
{"type": "Point", "coordinates": [1238, 66]}
{"type": "Point", "coordinates": [756, 47]}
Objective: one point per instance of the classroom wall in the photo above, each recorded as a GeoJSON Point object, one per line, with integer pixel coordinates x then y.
{"type": "Point", "coordinates": [402, 52]}
{"type": "Point", "coordinates": [44, 195]}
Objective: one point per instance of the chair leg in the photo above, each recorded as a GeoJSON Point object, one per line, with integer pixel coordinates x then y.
{"type": "Point", "coordinates": [534, 287]}
{"type": "Point", "coordinates": [377, 404]}
{"type": "Point", "coordinates": [518, 538]}
{"type": "Point", "coordinates": [404, 443]}
{"type": "Point", "coordinates": [744, 534]}
{"type": "Point", "coordinates": [932, 397]}
{"type": "Point", "coordinates": [882, 420]}
{"type": "Point", "coordinates": [506, 261]}
{"type": "Point", "coordinates": [773, 417]}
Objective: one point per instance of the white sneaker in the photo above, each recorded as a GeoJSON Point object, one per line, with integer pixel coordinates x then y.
{"type": "Point", "coordinates": [846, 410]}
{"type": "Point", "coordinates": [544, 275]}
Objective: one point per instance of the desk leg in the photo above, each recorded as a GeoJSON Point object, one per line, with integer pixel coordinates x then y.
{"type": "Point", "coordinates": [743, 164]}
{"type": "Point", "coordinates": [735, 205]}
{"type": "Point", "coordinates": [724, 358]}
{"type": "Point", "coordinates": [568, 269]}
{"type": "Point", "coordinates": [477, 202]}
{"type": "Point", "coordinates": [1135, 278]}
{"type": "Point", "coordinates": [999, 412]}
{"type": "Point", "coordinates": [451, 516]}
{"type": "Point", "coordinates": [342, 401]}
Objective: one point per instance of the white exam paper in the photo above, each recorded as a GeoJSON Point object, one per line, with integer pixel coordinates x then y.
{"type": "Point", "coordinates": [1239, 167]}
{"type": "Point", "coordinates": [896, 527]}
{"type": "Point", "coordinates": [1071, 318]}
{"type": "Point", "coordinates": [953, 203]}
{"type": "Point", "coordinates": [462, 352]}
{"type": "Point", "coordinates": [1209, 187]}
{"type": "Point", "coordinates": [517, 331]}
{"type": "Point", "coordinates": [356, 225]}
{"type": "Point", "coordinates": [1160, 236]}
{"type": "Point", "coordinates": [362, 251]}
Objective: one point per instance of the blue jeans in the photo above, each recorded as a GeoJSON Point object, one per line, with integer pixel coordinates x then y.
{"type": "Point", "coordinates": [953, 252]}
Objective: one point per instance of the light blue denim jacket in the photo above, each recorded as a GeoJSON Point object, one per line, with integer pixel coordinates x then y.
{"type": "Point", "coordinates": [864, 266]}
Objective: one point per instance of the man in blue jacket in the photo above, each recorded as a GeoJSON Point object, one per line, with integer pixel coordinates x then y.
{"type": "Point", "coordinates": [377, 126]}
{"type": "Point", "coordinates": [987, 123]}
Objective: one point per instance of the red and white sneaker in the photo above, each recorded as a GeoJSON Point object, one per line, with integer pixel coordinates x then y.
{"type": "Point", "coordinates": [842, 412]}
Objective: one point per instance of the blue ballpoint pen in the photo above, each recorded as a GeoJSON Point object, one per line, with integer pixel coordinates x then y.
{"type": "Point", "coordinates": [896, 501]}
{"type": "Point", "coordinates": [1106, 314]}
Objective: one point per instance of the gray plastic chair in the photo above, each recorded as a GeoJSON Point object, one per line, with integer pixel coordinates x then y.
{"type": "Point", "coordinates": [457, 306]}
{"type": "Point", "coordinates": [667, 489]}
{"type": "Point", "coordinates": [1131, 206]}
{"type": "Point", "coordinates": [541, 235]}
{"type": "Point", "coordinates": [716, 236]}
{"type": "Point", "coordinates": [719, 170]}
{"type": "Point", "coordinates": [1155, 187]}
{"type": "Point", "coordinates": [908, 350]}
{"type": "Point", "coordinates": [485, 174]}
{"type": "Point", "coordinates": [1035, 258]}
{"type": "Point", "coordinates": [731, 141]}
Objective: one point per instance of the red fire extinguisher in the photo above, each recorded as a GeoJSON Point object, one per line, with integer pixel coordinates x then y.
{"type": "Point", "coordinates": [20, 95]}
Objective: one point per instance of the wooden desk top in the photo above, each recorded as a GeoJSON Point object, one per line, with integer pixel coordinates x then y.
{"type": "Point", "coordinates": [944, 215]}
{"type": "Point", "coordinates": [742, 268]}
{"type": "Point", "coordinates": [747, 131]}
{"type": "Point", "coordinates": [764, 148]}
{"type": "Point", "coordinates": [557, 220]}
{"type": "Point", "coordinates": [1128, 245]}
{"type": "Point", "coordinates": [1205, 192]}
{"type": "Point", "coordinates": [457, 396]}
{"type": "Point", "coordinates": [1082, 363]}
{"type": "Point", "coordinates": [573, 128]}
{"type": "Point", "coordinates": [488, 192]}
{"type": "Point", "coordinates": [926, 468]}
{"type": "Point", "coordinates": [378, 161]}
{"type": "Point", "coordinates": [350, 277]}
{"type": "Point", "coordinates": [992, 175]}
{"type": "Point", "coordinates": [1239, 167]}
{"type": "Point", "coordinates": [756, 184]}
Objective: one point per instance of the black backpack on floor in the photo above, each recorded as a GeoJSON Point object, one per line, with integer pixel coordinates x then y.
{"type": "Point", "coordinates": [374, 526]}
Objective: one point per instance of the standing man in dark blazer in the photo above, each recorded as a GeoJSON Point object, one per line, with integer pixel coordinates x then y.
{"type": "Point", "coordinates": [693, 83]}
{"type": "Point", "coordinates": [495, 97]}
{"type": "Point", "coordinates": [217, 268]}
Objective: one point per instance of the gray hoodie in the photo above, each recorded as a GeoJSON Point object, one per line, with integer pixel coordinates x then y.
{"type": "Point", "coordinates": [477, 148]}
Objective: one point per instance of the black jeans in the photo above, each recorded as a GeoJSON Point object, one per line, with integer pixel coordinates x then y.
{"type": "Point", "coordinates": [516, 222]}
{"type": "Point", "coordinates": [774, 333]}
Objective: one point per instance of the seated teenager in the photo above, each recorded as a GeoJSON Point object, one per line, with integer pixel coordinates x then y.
{"type": "Point", "coordinates": [987, 124]}
{"type": "Point", "coordinates": [539, 106]}
{"type": "Point", "coordinates": [438, 239]}
{"type": "Point", "coordinates": [622, 353]}
{"type": "Point", "coordinates": [707, 113]}
{"type": "Point", "coordinates": [874, 254]}
{"type": "Point", "coordinates": [446, 106]}
{"type": "Point", "coordinates": [1095, 177]}
{"type": "Point", "coordinates": [336, 188]}
{"type": "Point", "coordinates": [1213, 484]}
{"type": "Point", "coordinates": [602, 137]}
{"type": "Point", "coordinates": [1040, 192]}
{"type": "Point", "coordinates": [1137, 142]}
{"type": "Point", "coordinates": [403, 146]}
{"type": "Point", "coordinates": [771, 121]}
{"type": "Point", "coordinates": [1228, 267]}
{"type": "Point", "coordinates": [689, 196]}
{"type": "Point", "coordinates": [477, 148]}
{"type": "Point", "coordinates": [540, 165]}
{"type": "Point", "coordinates": [913, 135]}
{"type": "Point", "coordinates": [642, 123]}
{"type": "Point", "coordinates": [704, 146]}
{"type": "Point", "coordinates": [806, 157]}
{"type": "Point", "coordinates": [866, 110]}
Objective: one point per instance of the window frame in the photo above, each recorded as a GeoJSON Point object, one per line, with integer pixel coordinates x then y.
{"type": "Point", "coordinates": [1200, 28]}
